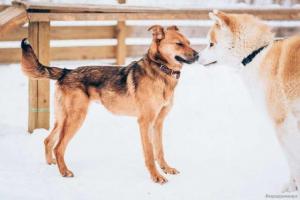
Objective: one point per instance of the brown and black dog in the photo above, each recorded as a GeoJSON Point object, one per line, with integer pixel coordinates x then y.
{"type": "Point", "coordinates": [143, 89]}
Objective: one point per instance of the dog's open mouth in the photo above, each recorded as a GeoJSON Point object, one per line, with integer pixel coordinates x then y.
{"type": "Point", "coordinates": [182, 60]}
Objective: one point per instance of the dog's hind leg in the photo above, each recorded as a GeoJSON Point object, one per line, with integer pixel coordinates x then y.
{"type": "Point", "coordinates": [75, 105]}
{"type": "Point", "coordinates": [158, 143]}
{"type": "Point", "coordinates": [146, 124]}
{"type": "Point", "coordinates": [50, 142]}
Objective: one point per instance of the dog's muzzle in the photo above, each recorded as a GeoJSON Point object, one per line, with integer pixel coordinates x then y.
{"type": "Point", "coordinates": [190, 61]}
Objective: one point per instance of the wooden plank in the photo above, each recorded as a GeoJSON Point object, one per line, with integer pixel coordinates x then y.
{"type": "Point", "coordinates": [11, 18]}
{"type": "Point", "coordinates": [112, 16]}
{"type": "Point", "coordinates": [189, 31]}
{"type": "Point", "coordinates": [121, 38]}
{"type": "Point", "coordinates": [82, 32]}
{"type": "Point", "coordinates": [93, 8]}
{"type": "Point", "coordinates": [43, 112]}
{"type": "Point", "coordinates": [99, 32]}
{"type": "Point", "coordinates": [39, 89]}
{"type": "Point", "coordinates": [18, 34]}
{"type": "Point", "coordinates": [66, 33]}
{"type": "Point", "coordinates": [12, 55]}
{"type": "Point", "coordinates": [201, 31]}
{"type": "Point", "coordinates": [106, 32]}
{"type": "Point", "coordinates": [33, 28]}
{"type": "Point", "coordinates": [270, 14]}
{"type": "Point", "coordinates": [67, 7]}
{"type": "Point", "coordinates": [82, 53]}
{"type": "Point", "coordinates": [140, 50]}
{"type": "Point", "coordinates": [121, 46]}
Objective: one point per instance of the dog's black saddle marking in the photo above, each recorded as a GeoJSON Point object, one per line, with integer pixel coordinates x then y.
{"type": "Point", "coordinates": [63, 74]}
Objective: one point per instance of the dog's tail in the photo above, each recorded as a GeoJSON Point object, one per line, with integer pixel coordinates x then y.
{"type": "Point", "coordinates": [34, 69]}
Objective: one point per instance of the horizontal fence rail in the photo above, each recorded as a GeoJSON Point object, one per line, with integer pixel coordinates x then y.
{"type": "Point", "coordinates": [137, 39]}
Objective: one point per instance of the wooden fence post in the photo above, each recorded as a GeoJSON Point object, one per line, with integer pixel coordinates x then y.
{"type": "Point", "coordinates": [38, 33]}
{"type": "Point", "coordinates": [121, 37]}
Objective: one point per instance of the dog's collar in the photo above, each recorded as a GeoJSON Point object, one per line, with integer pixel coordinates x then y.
{"type": "Point", "coordinates": [251, 56]}
{"type": "Point", "coordinates": [167, 70]}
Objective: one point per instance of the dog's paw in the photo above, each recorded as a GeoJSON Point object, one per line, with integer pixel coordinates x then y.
{"type": "Point", "coordinates": [291, 186]}
{"type": "Point", "coordinates": [67, 173]}
{"type": "Point", "coordinates": [157, 178]}
{"type": "Point", "coordinates": [51, 161]}
{"type": "Point", "coordinates": [170, 170]}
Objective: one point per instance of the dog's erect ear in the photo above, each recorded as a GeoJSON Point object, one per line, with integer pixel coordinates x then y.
{"type": "Point", "coordinates": [174, 28]}
{"type": "Point", "coordinates": [220, 18]}
{"type": "Point", "coordinates": [157, 32]}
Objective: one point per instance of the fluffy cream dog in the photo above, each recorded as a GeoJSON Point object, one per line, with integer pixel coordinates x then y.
{"type": "Point", "coordinates": [271, 67]}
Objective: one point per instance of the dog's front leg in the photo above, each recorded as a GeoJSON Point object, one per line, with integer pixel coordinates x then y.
{"type": "Point", "coordinates": [289, 138]}
{"type": "Point", "coordinates": [158, 143]}
{"type": "Point", "coordinates": [145, 124]}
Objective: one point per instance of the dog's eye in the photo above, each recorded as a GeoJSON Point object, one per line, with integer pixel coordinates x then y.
{"type": "Point", "coordinates": [211, 44]}
{"type": "Point", "coordinates": [179, 44]}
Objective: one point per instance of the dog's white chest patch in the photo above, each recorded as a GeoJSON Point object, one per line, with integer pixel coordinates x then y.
{"type": "Point", "coordinates": [295, 106]}
{"type": "Point", "coordinates": [250, 76]}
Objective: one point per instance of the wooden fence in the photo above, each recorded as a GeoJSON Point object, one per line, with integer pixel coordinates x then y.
{"type": "Point", "coordinates": [196, 32]}
{"type": "Point", "coordinates": [119, 33]}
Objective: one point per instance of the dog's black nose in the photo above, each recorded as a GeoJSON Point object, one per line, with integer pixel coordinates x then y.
{"type": "Point", "coordinates": [196, 55]}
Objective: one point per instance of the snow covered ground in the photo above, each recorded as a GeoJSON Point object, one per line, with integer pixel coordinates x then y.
{"type": "Point", "coordinates": [223, 146]}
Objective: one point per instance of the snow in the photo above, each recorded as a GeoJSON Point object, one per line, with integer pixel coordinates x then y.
{"type": "Point", "coordinates": [223, 146]}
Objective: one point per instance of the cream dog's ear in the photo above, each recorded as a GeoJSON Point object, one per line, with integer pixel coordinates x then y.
{"type": "Point", "coordinates": [220, 18]}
